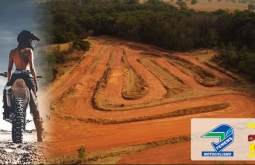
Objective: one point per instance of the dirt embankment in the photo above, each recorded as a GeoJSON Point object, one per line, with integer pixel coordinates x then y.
{"type": "Point", "coordinates": [134, 85]}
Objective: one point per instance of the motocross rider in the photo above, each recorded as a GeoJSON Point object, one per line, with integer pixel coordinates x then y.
{"type": "Point", "coordinates": [22, 57]}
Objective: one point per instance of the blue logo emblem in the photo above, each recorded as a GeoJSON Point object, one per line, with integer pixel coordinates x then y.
{"type": "Point", "coordinates": [225, 134]}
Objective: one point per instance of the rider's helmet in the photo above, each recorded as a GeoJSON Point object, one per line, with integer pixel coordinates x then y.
{"type": "Point", "coordinates": [24, 37]}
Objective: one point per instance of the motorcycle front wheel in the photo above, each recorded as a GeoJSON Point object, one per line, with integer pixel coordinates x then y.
{"type": "Point", "coordinates": [18, 121]}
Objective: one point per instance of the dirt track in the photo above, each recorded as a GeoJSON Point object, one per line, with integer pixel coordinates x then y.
{"type": "Point", "coordinates": [89, 92]}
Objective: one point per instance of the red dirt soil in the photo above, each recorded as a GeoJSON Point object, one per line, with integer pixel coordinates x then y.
{"type": "Point", "coordinates": [68, 135]}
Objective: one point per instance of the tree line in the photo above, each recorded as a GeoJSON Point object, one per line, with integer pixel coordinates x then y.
{"type": "Point", "coordinates": [153, 22]}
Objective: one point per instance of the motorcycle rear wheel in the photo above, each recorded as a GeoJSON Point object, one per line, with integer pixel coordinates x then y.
{"type": "Point", "coordinates": [18, 121]}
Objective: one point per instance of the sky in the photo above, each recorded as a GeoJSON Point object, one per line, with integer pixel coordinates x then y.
{"type": "Point", "coordinates": [15, 16]}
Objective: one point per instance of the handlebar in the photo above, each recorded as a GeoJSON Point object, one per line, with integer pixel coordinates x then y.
{"type": "Point", "coordinates": [5, 75]}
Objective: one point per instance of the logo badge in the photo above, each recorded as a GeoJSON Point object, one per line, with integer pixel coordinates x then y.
{"type": "Point", "coordinates": [225, 134]}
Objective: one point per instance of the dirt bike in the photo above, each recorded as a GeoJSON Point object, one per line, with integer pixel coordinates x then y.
{"type": "Point", "coordinates": [18, 97]}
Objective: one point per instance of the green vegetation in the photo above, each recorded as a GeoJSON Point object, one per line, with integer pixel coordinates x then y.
{"type": "Point", "coordinates": [242, 60]}
{"type": "Point", "coordinates": [47, 64]}
{"type": "Point", "coordinates": [51, 58]}
{"type": "Point", "coordinates": [251, 7]}
{"type": "Point", "coordinates": [81, 45]}
{"type": "Point", "coordinates": [81, 152]}
{"type": "Point", "coordinates": [194, 1]}
{"type": "Point", "coordinates": [153, 22]}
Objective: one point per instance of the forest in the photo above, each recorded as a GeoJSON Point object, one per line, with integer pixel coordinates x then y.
{"type": "Point", "coordinates": [154, 22]}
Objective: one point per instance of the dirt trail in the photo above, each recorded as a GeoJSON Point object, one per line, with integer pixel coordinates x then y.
{"type": "Point", "coordinates": [69, 134]}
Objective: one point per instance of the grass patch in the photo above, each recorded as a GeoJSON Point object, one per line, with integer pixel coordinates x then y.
{"type": "Point", "coordinates": [68, 93]}
{"type": "Point", "coordinates": [164, 76]}
{"type": "Point", "coordinates": [134, 86]}
{"type": "Point", "coordinates": [201, 75]}
{"type": "Point", "coordinates": [111, 59]}
{"type": "Point", "coordinates": [151, 54]}
{"type": "Point", "coordinates": [114, 153]}
{"type": "Point", "coordinates": [98, 97]}
{"type": "Point", "coordinates": [222, 71]}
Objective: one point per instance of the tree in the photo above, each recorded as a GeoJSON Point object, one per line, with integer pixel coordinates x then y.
{"type": "Point", "coordinates": [131, 1]}
{"type": "Point", "coordinates": [251, 7]}
{"type": "Point", "coordinates": [211, 38]}
{"type": "Point", "coordinates": [81, 45]}
{"type": "Point", "coordinates": [179, 2]}
{"type": "Point", "coordinates": [116, 1]}
{"type": "Point", "coordinates": [184, 6]}
{"type": "Point", "coordinates": [153, 1]}
{"type": "Point", "coordinates": [194, 2]}
{"type": "Point", "coordinates": [246, 63]}
{"type": "Point", "coordinates": [81, 152]}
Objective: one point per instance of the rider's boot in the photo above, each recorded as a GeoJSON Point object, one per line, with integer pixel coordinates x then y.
{"type": "Point", "coordinates": [39, 129]}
